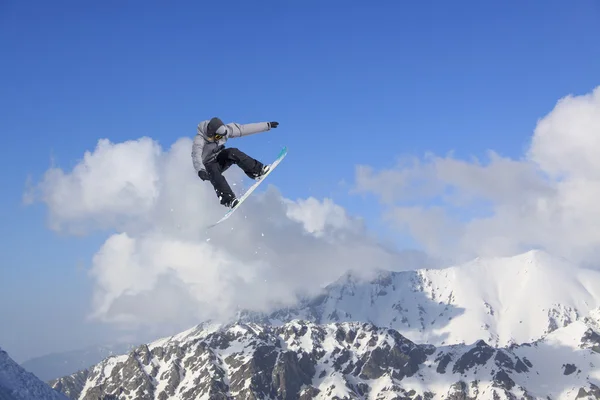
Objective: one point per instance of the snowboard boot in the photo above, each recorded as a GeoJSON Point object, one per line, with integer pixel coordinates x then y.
{"type": "Point", "coordinates": [232, 203]}
{"type": "Point", "coordinates": [263, 172]}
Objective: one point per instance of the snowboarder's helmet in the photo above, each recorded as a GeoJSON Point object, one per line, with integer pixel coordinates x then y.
{"type": "Point", "coordinates": [216, 127]}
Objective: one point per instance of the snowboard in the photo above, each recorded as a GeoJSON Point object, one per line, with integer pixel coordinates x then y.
{"type": "Point", "coordinates": [280, 157]}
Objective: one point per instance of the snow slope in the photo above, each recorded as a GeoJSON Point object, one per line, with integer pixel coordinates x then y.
{"type": "Point", "coordinates": [18, 384]}
{"type": "Point", "coordinates": [302, 360]}
{"type": "Point", "coordinates": [500, 300]}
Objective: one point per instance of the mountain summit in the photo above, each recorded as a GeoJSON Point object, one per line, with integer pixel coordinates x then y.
{"type": "Point", "coordinates": [500, 300]}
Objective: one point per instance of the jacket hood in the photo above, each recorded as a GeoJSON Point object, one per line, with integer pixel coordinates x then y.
{"type": "Point", "coordinates": [214, 124]}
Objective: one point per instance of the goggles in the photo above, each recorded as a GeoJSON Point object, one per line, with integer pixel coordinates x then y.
{"type": "Point", "coordinates": [220, 133]}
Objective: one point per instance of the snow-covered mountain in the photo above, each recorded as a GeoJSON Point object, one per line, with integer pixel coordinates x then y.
{"type": "Point", "coordinates": [18, 384]}
{"type": "Point", "coordinates": [55, 365]}
{"type": "Point", "coordinates": [522, 327]}
{"type": "Point", "coordinates": [500, 300]}
{"type": "Point", "coordinates": [302, 360]}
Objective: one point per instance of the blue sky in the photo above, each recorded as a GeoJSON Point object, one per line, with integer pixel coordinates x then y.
{"type": "Point", "coordinates": [350, 83]}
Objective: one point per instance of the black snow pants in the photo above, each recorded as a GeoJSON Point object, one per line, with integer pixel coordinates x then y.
{"type": "Point", "coordinates": [225, 159]}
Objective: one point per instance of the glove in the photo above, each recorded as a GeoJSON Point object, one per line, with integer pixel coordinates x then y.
{"type": "Point", "coordinates": [273, 124]}
{"type": "Point", "coordinates": [203, 175]}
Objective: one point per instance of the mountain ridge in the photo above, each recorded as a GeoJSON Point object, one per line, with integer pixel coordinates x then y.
{"type": "Point", "coordinates": [348, 360]}
{"type": "Point", "coordinates": [523, 327]}
{"type": "Point", "coordinates": [502, 300]}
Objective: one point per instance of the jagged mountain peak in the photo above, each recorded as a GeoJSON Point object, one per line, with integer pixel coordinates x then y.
{"type": "Point", "coordinates": [199, 331]}
{"type": "Point", "coordinates": [303, 360]}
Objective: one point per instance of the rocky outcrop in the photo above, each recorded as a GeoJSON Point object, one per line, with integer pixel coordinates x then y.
{"type": "Point", "coordinates": [301, 360]}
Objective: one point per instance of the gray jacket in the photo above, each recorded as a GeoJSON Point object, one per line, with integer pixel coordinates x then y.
{"type": "Point", "coordinates": [204, 151]}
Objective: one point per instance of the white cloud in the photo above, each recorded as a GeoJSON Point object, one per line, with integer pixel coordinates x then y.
{"type": "Point", "coordinates": [114, 183]}
{"type": "Point", "coordinates": [566, 141]}
{"type": "Point", "coordinates": [162, 268]}
{"type": "Point", "coordinates": [319, 218]}
{"type": "Point", "coordinates": [459, 209]}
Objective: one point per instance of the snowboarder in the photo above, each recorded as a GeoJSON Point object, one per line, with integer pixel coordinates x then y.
{"type": "Point", "coordinates": [211, 158]}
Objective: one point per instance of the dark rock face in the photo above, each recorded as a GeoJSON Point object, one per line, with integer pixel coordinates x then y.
{"type": "Point", "coordinates": [502, 379]}
{"type": "Point", "coordinates": [591, 340]}
{"type": "Point", "coordinates": [301, 360]}
{"type": "Point", "coordinates": [569, 369]}
{"type": "Point", "coordinates": [593, 392]}
{"type": "Point", "coordinates": [72, 385]}
{"type": "Point", "coordinates": [479, 355]}
{"type": "Point", "coordinates": [291, 373]}
{"type": "Point", "coordinates": [255, 362]}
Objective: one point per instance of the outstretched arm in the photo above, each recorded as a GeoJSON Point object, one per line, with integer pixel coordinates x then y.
{"type": "Point", "coordinates": [238, 130]}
